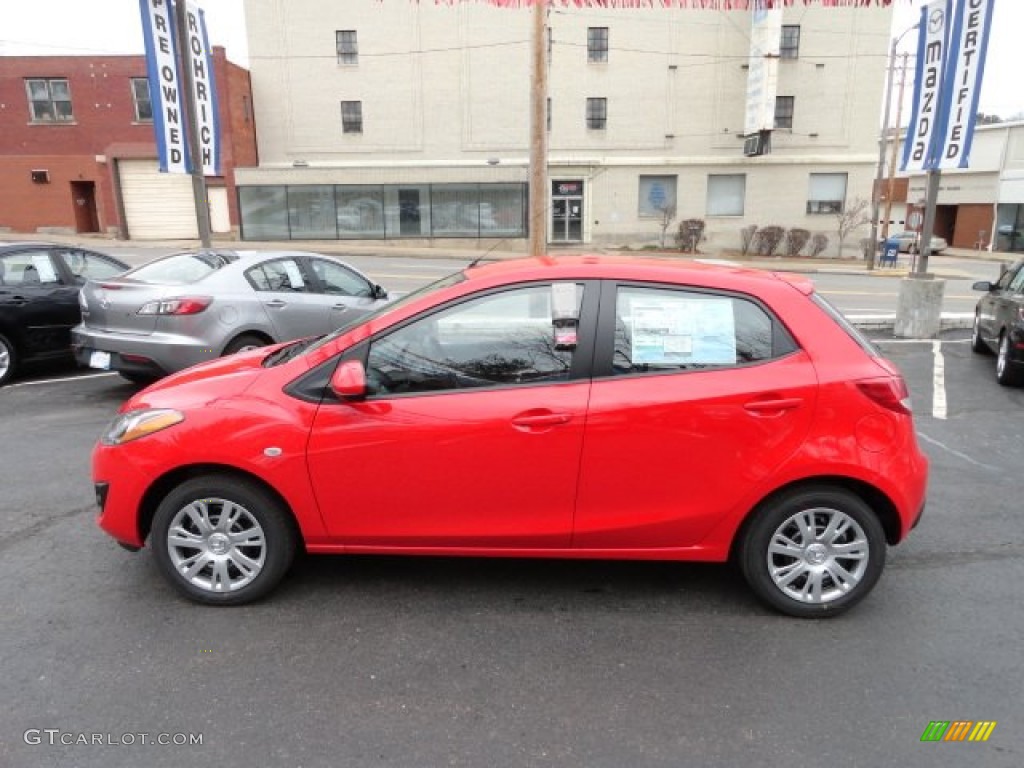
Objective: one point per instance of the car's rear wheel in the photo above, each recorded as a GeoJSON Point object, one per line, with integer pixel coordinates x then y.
{"type": "Point", "coordinates": [813, 552]}
{"type": "Point", "coordinates": [977, 343]}
{"type": "Point", "coordinates": [8, 360]}
{"type": "Point", "coordinates": [1006, 373]}
{"type": "Point", "coordinates": [222, 540]}
{"type": "Point", "coordinates": [244, 343]}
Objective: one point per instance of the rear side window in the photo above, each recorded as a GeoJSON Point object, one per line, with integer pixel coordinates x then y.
{"type": "Point", "coordinates": [862, 341]}
{"type": "Point", "coordinates": [669, 330]}
{"type": "Point", "coordinates": [281, 275]}
{"type": "Point", "coordinates": [180, 269]}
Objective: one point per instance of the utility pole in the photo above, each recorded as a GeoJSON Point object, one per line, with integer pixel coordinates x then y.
{"type": "Point", "coordinates": [191, 127]}
{"type": "Point", "coordinates": [891, 184]}
{"type": "Point", "coordinates": [539, 134]}
{"type": "Point", "coordinates": [876, 197]}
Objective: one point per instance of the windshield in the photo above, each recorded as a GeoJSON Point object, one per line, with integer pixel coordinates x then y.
{"type": "Point", "coordinates": [182, 268]}
{"type": "Point", "coordinates": [444, 282]}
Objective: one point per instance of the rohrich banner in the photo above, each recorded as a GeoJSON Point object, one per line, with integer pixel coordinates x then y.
{"type": "Point", "coordinates": [167, 89]}
{"type": "Point", "coordinates": [951, 48]}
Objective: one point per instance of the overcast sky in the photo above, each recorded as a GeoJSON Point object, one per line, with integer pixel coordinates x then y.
{"type": "Point", "coordinates": [41, 27]}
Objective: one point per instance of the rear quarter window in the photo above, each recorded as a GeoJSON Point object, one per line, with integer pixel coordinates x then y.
{"type": "Point", "coordinates": [862, 341]}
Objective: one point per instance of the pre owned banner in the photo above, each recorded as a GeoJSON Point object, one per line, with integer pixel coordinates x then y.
{"type": "Point", "coordinates": [961, 85]}
{"type": "Point", "coordinates": [167, 88]}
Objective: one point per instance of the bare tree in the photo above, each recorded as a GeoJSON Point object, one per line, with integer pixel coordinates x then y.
{"type": "Point", "coordinates": [853, 216]}
{"type": "Point", "coordinates": [666, 215]}
{"type": "Point", "coordinates": [747, 238]}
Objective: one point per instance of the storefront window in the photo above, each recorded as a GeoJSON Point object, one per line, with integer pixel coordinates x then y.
{"type": "Point", "coordinates": [264, 213]}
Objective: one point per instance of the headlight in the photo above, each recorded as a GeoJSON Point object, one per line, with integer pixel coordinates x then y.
{"type": "Point", "coordinates": [135, 424]}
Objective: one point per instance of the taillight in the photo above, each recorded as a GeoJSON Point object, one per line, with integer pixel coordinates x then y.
{"type": "Point", "coordinates": [890, 392]}
{"type": "Point", "coordinates": [182, 305]}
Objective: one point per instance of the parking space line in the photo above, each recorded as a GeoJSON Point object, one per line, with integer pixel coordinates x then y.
{"type": "Point", "coordinates": [57, 381]}
{"type": "Point", "coordinates": [956, 453]}
{"type": "Point", "coordinates": [938, 381]}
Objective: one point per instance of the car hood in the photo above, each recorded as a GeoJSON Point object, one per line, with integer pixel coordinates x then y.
{"type": "Point", "coordinates": [203, 384]}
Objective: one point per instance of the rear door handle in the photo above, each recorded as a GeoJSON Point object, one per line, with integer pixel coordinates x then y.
{"type": "Point", "coordinates": [275, 304]}
{"type": "Point", "coordinates": [339, 307]}
{"type": "Point", "coordinates": [776, 405]}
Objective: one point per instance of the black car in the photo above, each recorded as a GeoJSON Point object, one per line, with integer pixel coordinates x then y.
{"type": "Point", "coordinates": [39, 285]}
{"type": "Point", "coordinates": [999, 324]}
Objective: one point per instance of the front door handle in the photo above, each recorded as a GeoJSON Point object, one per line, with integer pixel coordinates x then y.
{"type": "Point", "coordinates": [275, 304]}
{"type": "Point", "coordinates": [775, 405]}
{"type": "Point", "coordinates": [339, 307]}
{"type": "Point", "coordinates": [534, 420]}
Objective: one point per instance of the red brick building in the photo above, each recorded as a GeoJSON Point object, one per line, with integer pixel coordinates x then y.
{"type": "Point", "coordinates": [78, 154]}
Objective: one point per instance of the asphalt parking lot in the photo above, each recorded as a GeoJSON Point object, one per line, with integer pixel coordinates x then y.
{"type": "Point", "coordinates": [424, 662]}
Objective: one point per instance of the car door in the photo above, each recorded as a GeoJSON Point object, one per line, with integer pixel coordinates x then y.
{"type": "Point", "coordinates": [284, 290]}
{"type": "Point", "coordinates": [472, 432]}
{"type": "Point", "coordinates": [345, 293]}
{"type": "Point", "coordinates": [697, 396]}
{"type": "Point", "coordinates": [996, 307]}
{"type": "Point", "coordinates": [43, 307]}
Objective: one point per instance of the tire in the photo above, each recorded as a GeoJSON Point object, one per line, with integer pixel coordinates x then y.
{"type": "Point", "coordinates": [1007, 374]}
{"type": "Point", "coordinates": [238, 561]}
{"type": "Point", "coordinates": [812, 580]}
{"type": "Point", "coordinates": [8, 360]}
{"type": "Point", "coordinates": [244, 343]}
{"type": "Point", "coordinates": [978, 344]}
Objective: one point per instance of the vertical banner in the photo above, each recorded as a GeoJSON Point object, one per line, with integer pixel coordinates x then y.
{"type": "Point", "coordinates": [763, 72]}
{"type": "Point", "coordinates": [961, 86]}
{"type": "Point", "coordinates": [921, 146]}
{"type": "Point", "coordinates": [199, 59]}
{"type": "Point", "coordinates": [164, 85]}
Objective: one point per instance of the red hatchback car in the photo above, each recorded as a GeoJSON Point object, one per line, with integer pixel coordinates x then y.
{"type": "Point", "coordinates": [581, 407]}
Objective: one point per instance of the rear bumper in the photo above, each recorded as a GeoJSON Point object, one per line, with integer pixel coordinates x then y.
{"type": "Point", "coordinates": [154, 355]}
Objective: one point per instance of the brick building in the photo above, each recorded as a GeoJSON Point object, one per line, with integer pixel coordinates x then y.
{"type": "Point", "coordinates": [78, 154]}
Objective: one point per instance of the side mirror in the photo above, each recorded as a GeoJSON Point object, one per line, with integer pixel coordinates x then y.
{"type": "Point", "coordinates": [379, 292]}
{"type": "Point", "coordinates": [349, 380]}
{"type": "Point", "coordinates": [983, 285]}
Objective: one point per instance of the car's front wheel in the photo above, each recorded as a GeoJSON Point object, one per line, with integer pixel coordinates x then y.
{"type": "Point", "coordinates": [1006, 373]}
{"type": "Point", "coordinates": [977, 343]}
{"type": "Point", "coordinates": [813, 552]}
{"type": "Point", "coordinates": [8, 358]}
{"type": "Point", "coordinates": [223, 540]}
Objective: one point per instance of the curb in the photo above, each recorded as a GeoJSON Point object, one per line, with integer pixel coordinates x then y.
{"type": "Point", "coordinates": [948, 321]}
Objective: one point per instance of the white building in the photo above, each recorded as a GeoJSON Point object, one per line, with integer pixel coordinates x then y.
{"type": "Point", "coordinates": [395, 119]}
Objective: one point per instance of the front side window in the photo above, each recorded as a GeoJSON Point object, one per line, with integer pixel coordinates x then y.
{"type": "Point", "coordinates": [142, 101]}
{"type": "Point", "coordinates": [826, 193]}
{"type": "Point", "coordinates": [348, 46]}
{"type": "Point", "coordinates": [659, 330]}
{"type": "Point", "coordinates": [278, 276]}
{"type": "Point", "coordinates": [597, 114]}
{"type": "Point", "coordinates": [789, 45]}
{"type": "Point", "coordinates": [339, 281]}
{"type": "Point", "coordinates": [49, 100]}
{"type": "Point", "coordinates": [726, 194]}
{"type": "Point", "coordinates": [784, 106]}
{"type": "Point", "coordinates": [597, 44]}
{"type": "Point", "coordinates": [522, 336]}
{"type": "Point", "coordinates": [352, 117]}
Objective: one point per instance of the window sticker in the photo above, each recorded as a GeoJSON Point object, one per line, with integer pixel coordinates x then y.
{"type": "Point", "coordinates": [564, 304]}
{"type": "Point", "coordinates": [672, 331]}
{"type": "Point", "coordinates": [294, 275]}
{"type": "Point", "coordinates": [44, 267]}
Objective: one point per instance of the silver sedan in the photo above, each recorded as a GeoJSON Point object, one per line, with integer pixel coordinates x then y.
{"type": "Point", "coordinates": [193, 306]}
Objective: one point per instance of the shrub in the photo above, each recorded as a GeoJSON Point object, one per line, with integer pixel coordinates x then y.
{"type": "Point", "coordinates": [819, 243]}
{"type": "Point", "coordinates": [747, 238]}
{"type": "Point", "coordinates": [689, 234]}
{"type": "Point", "coordinates": [796, 239]}
{"type": "Point", "coordinates": [768, 240]}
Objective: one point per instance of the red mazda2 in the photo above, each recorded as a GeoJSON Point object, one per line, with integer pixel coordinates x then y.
{"type": "Point", "coordinates": [579, 407]}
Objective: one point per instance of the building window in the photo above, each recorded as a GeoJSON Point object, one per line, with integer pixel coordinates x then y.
{"type": "Point", "coordinates": [348, 47]}
{"type": "Point", "coordinates": [597, 43]}
{"type": "Point", "coordinates": [352, 117]}
{"type": "Point", "coordinates": [49, 100]}
{"type": "Point", "coordinates": [826, 193]}
{"type": "Point", "coordinates": [657, 194]}
{"type": "Point", "coordinates": [141, 100]}
{"type": "Point", "coordinates": [789, 46]}
{"type": "Point", "coordinates": [597, 114]}
{"type": "Point", "coordinates": [726, 194]}
{"type": "Point", "coordinates": [784, 111]}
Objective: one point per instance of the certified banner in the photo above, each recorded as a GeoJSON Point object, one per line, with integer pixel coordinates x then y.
{"type": "Point", "coordinates": [199, 60]}
{"type": "Point", "coordinates": [921, 147]}
{"type": "Point", "coordinates": [164, 84]}
{"type": "Point", "coordinates": [961, 86]}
